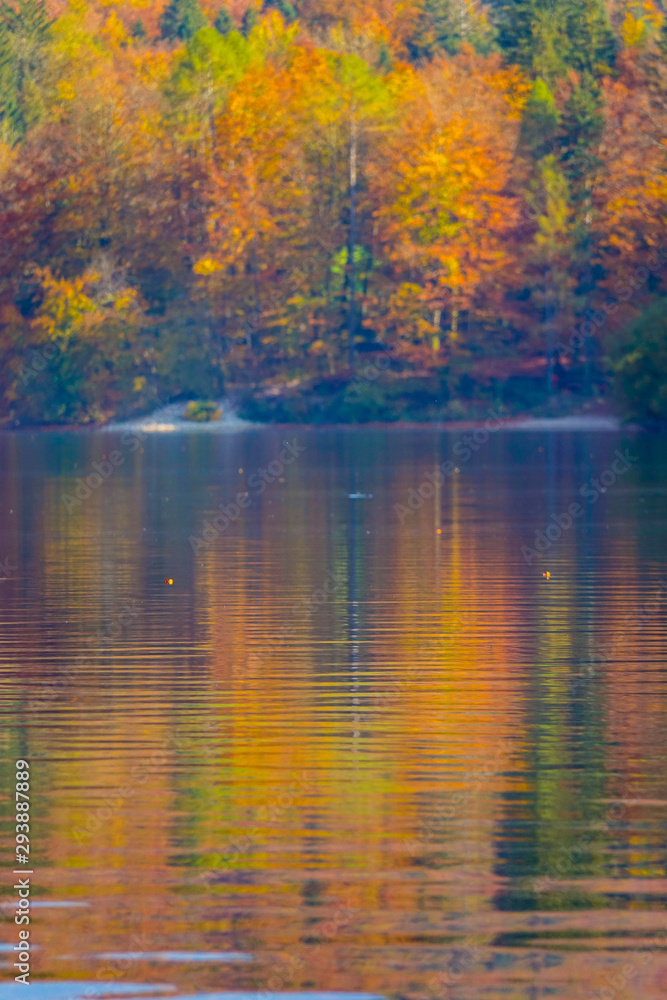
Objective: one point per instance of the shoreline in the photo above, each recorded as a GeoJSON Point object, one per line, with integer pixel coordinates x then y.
{"type": "Point", "coordinates": [167, 421]}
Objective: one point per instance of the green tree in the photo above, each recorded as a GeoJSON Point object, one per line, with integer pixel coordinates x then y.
{"type": "Point", "coordinates": [181, 20]}
{"type": "Point", "coordinates": [250, 20]}
{"type": "Point", "coordinates": [640, 364]}
{"type": "Point", "coordinates": [540, 121]}
{"type": "Point", "coordinates": [437, 28]}
{"type": "Point", "coordinates": [551, 251]}
{"type": "Point", "coordinates": [210, 65]}
{"type": "Point", "coordinates": [592, 43]}
{"type": "Point", "coordinates": [138, 30]}
{"type": "Point", "coordinates": [581, 130]}
{"type": "Point", "coordinates": [24, 32]}
{"type": "Point", "coordinates": [283, 7]}
{"type": "Point", "coordinates": [548, 37]}
{"type": "Point", "coordinates": [582, 127]}
{"type": "Point", "coordinates": [223, 22]}
{"type": "Point", "coordinates": [515, 21]}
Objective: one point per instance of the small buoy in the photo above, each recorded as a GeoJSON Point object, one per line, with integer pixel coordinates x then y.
{"type": "Point", "coordinates": [439, 531]}
{"type": "Point", "coordinates": [169, 581]}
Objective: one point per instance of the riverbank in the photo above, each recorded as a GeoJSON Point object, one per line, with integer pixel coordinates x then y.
{"type": "Point", "coordinates": [375, 396]}
{"type": "Point", "coordinates": [400, 403]}
{"type": "Point", "coordinates": [168, 419]}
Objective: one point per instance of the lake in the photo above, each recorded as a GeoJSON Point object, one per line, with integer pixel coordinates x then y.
{"type": "Point", "coordinates": [358, 711]}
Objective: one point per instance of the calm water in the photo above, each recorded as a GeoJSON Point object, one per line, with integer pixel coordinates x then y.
{"type": "Point", "coordinates": [351, 748]}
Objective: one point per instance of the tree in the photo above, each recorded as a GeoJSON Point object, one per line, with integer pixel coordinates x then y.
{"type": "Point", "coordinates": [257, 190]}
{"type": "Point", "coordinates": [284, 8]}
{"type": "Point", "coordinates": [181, 20]}
{"type": "Point", "coordinates": [138, 30]}
{"type": "Point", "coordinates": [591, 40]}
{"type": "Point", "coordinates": [443, 25]}
{"type": "Point", "coordinates": [548, 37]}
{"type": "Point", "coordinates": [223, 22]}
{"type": "Point", "coordinates": [24, 31]}
{"type": "Point", "coordinates": [364, 103]}
{"type": "Point", "coordinates": [581, 129]}
{"type": "Point", "coordinates": [90, 330]}
{"type": "Point", "coordinates": [640, 363]}
{"type": "Point", "coordinates": [630, 193]}
{"type": "Point", "coordinates": [201, 78]}
{"type": "Point", "coordinates": [250, 20]}
{"type": "Point", "coordinates": [436, 29]}
{"type": "Point", "coordinates": [540, 121]}
{"type": "Point", "coordinates": [444, 207]}
{"type": "Point", "coordinates": [550, 254]}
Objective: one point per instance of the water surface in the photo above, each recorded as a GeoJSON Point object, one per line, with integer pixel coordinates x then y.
{"type": "Point", "coordinates": [370, 749]}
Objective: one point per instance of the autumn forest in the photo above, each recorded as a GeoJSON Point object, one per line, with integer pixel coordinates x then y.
{"type": "Point", "coordinates": [332, 210]}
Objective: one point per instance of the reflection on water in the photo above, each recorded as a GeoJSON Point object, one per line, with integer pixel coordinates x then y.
{"type": "Point", "coordinates": [81, 990]}
{"type": "Point", "coordinates": [362, 739]}
{"type": "Point", "coordinates": [179, 956]}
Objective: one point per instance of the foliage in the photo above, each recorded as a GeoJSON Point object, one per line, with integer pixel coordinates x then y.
{"type": "Point", "coordinates": [181, 20]}
{"type": "Point", "coordinates": [24, 29]}
{"type": "Point", "coordinates": [270, 194]}
{"type": "Point", "coordinates": [548, 37]}
{"type": "Point", "coordinates": [641, 365]}
{"type": "Point", "coordinates": [202, 411]}
{"type": "Point", "coordinates": [223, 22]}
{"type": "Point", "coordinates": [88, 330]}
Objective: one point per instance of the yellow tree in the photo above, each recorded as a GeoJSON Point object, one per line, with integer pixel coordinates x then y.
{"type": "Point", "coordinates": [290, 149]}
{"type": "Point", "coordinates": [256, 184]}
{"type": "Point", "coordinates": [444, 210]}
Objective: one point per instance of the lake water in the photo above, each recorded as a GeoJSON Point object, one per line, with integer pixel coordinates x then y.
{"type": "Point", "coordinates": [353, 747]}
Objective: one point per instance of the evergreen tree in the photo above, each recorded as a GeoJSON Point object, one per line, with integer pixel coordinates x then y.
{"type": "Point", "coordinates": [181, 20]}
{"type": "Point", "coordinates": [515, 20]}
{"type": "Point", "coordinates": [437, 28]}
{"type": "Point", "coordinates": [592, 44]}
{"type": "Point", "coordinates": [223, 22]}
{"type": "Point", "coordinates": [582, 125]}
{"type": "Point", "coordinates": [138, 30]}
{"type": "Point", "coordinates": [250, 19]}
{"type": "Point", "coordinates": [539, 125]}
{"type": "Point", "coordinates": [23, 35]}
{"type": "Point", "coordinates": [284, 7]}
{"type": "Point", "coordinates": [548, 37]}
